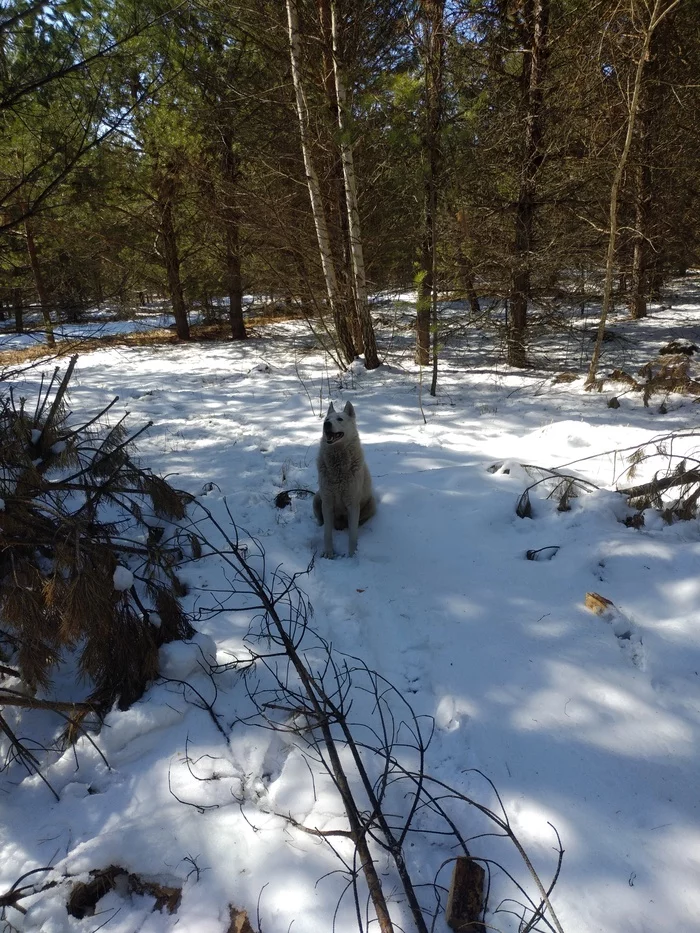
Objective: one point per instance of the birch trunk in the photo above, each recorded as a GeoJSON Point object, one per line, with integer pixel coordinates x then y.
{"type": "Point", "coordinates": [537, 16]}
{"type": "Point", "coordinates": [648, 120]}
{"type": "Point", "coordinates": [657, 15]}
{"type": "Point", "coordinates": [639, 273]}
{"type": "Point", "coordinates": [369, 342]}
{"type": "Point", "coordinates": [345, 341]}
{"type": "Point", "coordinates": [336, 205]}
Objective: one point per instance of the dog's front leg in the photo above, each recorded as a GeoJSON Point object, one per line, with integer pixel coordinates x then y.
{"type": "Point", "coordinates": [353, 523]}
{"type": "Point", "coordinates": [328, 522]}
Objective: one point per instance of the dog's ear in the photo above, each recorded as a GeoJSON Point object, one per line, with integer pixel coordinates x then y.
{"type": "Point", "coordinates": [349, 410]}
{"type": "Point", "coordinates": [331, 410]}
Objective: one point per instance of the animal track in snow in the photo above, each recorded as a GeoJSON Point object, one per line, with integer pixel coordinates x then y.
{"type": "Point", "coordinates": [627, 634]}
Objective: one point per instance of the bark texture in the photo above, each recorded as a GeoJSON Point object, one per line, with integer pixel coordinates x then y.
{"type": "Point", "coordinates": [658, 13]}
{"type": "Point", "coordinates": [39, 283]}
{"type": "Point", "coordinates": [369, 342]}
{"type": "Point", "coordinates": [536, 16]}
{"type": "Point", "coordinates": [344, 335]}
{"type": "Point", "coordinates": [171, 256]}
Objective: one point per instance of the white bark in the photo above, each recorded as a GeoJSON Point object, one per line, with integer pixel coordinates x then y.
{"type": "Point", "coordinates": [322, 235]}
{"type": "Point", "coordinates": [358, 262]}
{"type": "Point", "coordinates": [658, 13]}
{"type": "Point", "coordinates": [356, 252]}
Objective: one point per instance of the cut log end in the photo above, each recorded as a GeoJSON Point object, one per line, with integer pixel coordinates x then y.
{"type": "Point", "coordinates": [465, 902]}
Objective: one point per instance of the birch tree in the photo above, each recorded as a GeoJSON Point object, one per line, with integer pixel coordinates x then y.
{"type": "Point", "coordinates": [536, 25]}
{"type": "Point", "coordinates": [648, 18]}
{"type": "Point", "coordinates": [340, 319]}
{"type": "Point", "coordinates": [648, 144]}
{"type": "Point", "coordinates": [369, 342]}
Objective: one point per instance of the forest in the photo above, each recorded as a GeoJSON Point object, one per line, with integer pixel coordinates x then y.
{"type": "Point", "coordinates": [471, 228]}
{"type": "Point", "coordinates": [517, 155]}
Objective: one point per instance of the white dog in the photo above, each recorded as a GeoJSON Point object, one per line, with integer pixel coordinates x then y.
{"type": "Point", "coordinates": [344, 498]}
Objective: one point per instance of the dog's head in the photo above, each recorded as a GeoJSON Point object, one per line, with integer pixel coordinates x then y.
{"type": "Point", "coordinates": [339, 425]}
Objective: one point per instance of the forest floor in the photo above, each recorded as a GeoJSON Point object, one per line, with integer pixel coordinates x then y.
{"type": "Point", "coordinates": [587, 724]}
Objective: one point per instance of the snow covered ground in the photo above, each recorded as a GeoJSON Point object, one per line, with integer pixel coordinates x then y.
{"type": "Point", "coordinates": [580, 723]}
{"type": "Point", "coordinates": [84, 331]}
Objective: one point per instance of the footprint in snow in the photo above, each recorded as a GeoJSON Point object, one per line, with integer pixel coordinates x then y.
{"type": "Point", "coordinates": [378, 559]}
{"type": "Point", "coordinates": [276, 755]}
{"type": "Point", "coordinates": [451, 714]}
{"type": "Point", "coordinates": [632, 647]}
{"type": "Point", "coordinates": [628, 636]}
{"type": "Point", "coordinates": [413, 664]}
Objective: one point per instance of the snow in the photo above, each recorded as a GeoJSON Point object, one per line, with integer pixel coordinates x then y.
{"type": "Point", "coordinates": [122, 578]}
{"type": "Point", "coordinates": [588, 723]}
{"type": "Point", "coordinates": [85, 331]}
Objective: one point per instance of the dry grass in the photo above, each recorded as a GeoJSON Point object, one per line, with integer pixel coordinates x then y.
{"type": "Point", "coordinates": [275, 317]}
{"type": "Point", "coordinates": [152, 338]}
{"type": "Point", "coordinates": [62, 538]}
{"type": "Point", "coordinates": [85, 345]}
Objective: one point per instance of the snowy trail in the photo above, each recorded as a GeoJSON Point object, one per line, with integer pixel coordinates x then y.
{"type": "Point", "coordinates": [577, 725]}
{"type": "Point", "coordinates": [496, 648]}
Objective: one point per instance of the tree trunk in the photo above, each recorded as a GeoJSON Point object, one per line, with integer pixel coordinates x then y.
{"type": "Point", "coordinates": [643, 196]}
{"type": "Point", "coordinates": [656, 17]}
{"type": "Point", "coordinates": [39, 284]}
{"type": "Point", "coordinates": [655, 273]}
{"type": "Point", "coordinates": [532, 78]}
{"type": "Point", "coordinates": [232, 223]}
{"type": "Point", "coordinates": [638, 275]}
{"type": "Point", "coordinates": [423, 302]}
{"type": "Point", "coordinates": [467, 277]}
{"type": "Point", "coordinates": [234, 281]}
{"type": "Point", "coordinates": [369, 342]}
{"type": "Point", "coordinates": [171, 257]}
{"type": "Point", "coordinates": [436, 58]}
{"type": "Point", "coordinates": [17, 307]}
{"type": "Point", "coordinates": [466, 272]}
{"type": "Point", "coordinates": [339, 227]}
{"type": "Point", "coordinates": [433, 13]}
{"type": "Point", "coordinates": [345, 341]}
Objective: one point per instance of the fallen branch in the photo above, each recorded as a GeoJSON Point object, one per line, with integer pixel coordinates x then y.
{"type": "Point", "coordinates": [655, 486]}
{"type": "Point", "coordinates": [18, 891]}
{"type": "Point", "coordinates": [386, 792]}
{"type": "Point", "coordinates": [14, 698]}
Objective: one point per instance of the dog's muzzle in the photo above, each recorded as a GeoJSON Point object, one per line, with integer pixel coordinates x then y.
{"type": "Point", "coordinates": [331, 436]}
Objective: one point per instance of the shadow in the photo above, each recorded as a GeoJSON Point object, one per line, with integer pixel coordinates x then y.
{"type": "Point", "coordinates": [523, 683]}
